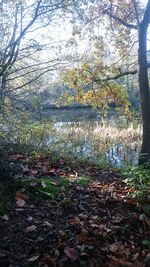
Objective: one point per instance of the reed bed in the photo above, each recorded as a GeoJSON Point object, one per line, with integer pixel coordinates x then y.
{"type": "Point", "coordinates": [100, 142]}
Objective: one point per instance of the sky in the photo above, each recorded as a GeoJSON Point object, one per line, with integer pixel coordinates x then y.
{"type": "Point", "coordinates": [61, 34]}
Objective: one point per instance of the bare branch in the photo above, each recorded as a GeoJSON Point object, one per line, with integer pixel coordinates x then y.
{"type": "Point", "coordinates": [133, 72]}
{"type": "Point", "coordinates": [136, 11]}
{"type": "Point", "coordinates": [121, 21]}
{"type": "Point", "coordinates": [111, 78]}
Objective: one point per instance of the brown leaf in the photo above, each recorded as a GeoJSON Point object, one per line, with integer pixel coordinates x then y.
{"type": "Point", "coordinates": [38, 157]}
{"type": "Point", "coordinates": [46, 163]}
{"type": "Point", "coordinates": [71, 253]}
{"type": "Point", "coordinates": [82, 238]}
{"type": "Point", "coordinates": [137, 264]}
{"type": "Point", "coordinates": [49, 260]}
{"type": "Point", "coordinates": [74, 221]}
{"type": "Point", "coordinates": [20, 195]}
{"type": "Point", "coordinates": [83, 216]}
{"type": "Point", "coordinates": [115, 262]}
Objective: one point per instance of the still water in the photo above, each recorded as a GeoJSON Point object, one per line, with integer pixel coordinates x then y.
{"type": "Point", "coordinates": [84, 134]}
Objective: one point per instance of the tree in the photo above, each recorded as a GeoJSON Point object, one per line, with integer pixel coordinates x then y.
{"type": "Point", "coordinates": [121, 20]}
{"type": "Point", "coordinates": [22, 58]}
{"type": "Point", "coordinates": [142, 22]}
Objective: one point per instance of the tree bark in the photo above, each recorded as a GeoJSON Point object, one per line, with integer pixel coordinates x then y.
{"type": "Point", "coordinates": [144, 92]}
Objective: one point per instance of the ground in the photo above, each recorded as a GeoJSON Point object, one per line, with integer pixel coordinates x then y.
{"type": "Point", "coordinates": [52, 221]}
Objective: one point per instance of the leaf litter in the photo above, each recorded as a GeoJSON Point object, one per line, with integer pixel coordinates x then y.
{"type": "Point", "coordinates": [92, 226]}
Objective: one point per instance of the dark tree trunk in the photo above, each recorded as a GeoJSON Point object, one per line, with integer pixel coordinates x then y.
{"type": "Point", "coordinates": [144, 88]}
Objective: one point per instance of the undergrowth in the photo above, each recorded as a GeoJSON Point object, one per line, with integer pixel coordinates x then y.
{"type": "Point", "coordinates": [37, 189]}
{"type": "Point", "coordinates": [138, 178]}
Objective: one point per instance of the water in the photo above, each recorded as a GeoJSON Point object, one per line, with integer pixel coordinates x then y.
{"type": "Point", "coordinates": [86, 135]}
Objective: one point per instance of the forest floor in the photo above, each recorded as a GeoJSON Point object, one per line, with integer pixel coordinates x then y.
{"type": "Point", "coordinates": [84, 219]}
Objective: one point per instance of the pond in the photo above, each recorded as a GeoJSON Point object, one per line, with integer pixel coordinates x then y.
{"type": "Point", "coordinates": [84, 134]}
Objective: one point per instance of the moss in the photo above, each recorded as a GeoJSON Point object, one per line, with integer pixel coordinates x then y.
{"type": "Point", "coordinates": [37, 189]}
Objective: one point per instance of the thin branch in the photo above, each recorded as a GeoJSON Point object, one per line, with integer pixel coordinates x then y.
{"type": "Point", "coordinates": [33, 71]}
{"type": "Point", "coordinates": [27, 26]}
{"type": "Point", "coordinates": [121, 21]}
{"type": "Point", "coordinates": [33, 80]}
{"type": "Point", "coordinates": [136, 11]}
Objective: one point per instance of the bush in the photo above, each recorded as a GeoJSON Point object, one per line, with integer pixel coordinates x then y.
{"type": "Point", "coordinates": [138, 178]}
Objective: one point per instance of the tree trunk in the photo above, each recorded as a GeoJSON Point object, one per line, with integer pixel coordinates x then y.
{"type": "Point", "coordinates": [145, 94]}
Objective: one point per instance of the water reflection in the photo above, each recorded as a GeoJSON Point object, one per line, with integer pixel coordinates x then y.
{"type": "Point", "coordinates": [113, 141]}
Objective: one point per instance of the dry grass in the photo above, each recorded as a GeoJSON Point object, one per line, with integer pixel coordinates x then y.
{"type": "Point", "coordinates": [96, 141]}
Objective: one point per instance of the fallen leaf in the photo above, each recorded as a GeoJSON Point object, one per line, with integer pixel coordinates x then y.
{"type": "Point", "coordinates": [137, 264]}
{"type": "Point", "coordinates": [33, 184]}
{"type": "Point", "coordinates": [113, 247]}
{"type": "Point", "coordinates": [5, 217]}
{"type": "Point", "coordinates": [62, 233]}
{"type": "Point", "coordinates": [20, 202]}
{"type": "Point", "coordinates": [30, 218]}
{"type": "Point", "coordinates": [38, 157]}
{"type": "Point", "coordinates": [71, 253]}
{"type": "Point", "coordinates": [25, 168]}
{"type": "Point", "coordinates": [20, 195]}
{"type": "Point", "coordinates": [46, 163]}
{"type": "Point", "coordinates": [33, 258]}
{"type": "Point", "coordinates": [53, 183]}
{"type": "Point", "coordinates": [115, 262]}
{"type": "Point", "coordinates": [43, 184]}
{"type": "Point", "coordinates": [83, 216]}
{"type": "Point", "coordinates": [44, 169]}
{"type": "Point", "coordinates": [31, 228]}
{"type": "Point", "coordinates": [57, 253]}
{"type": "Point", "coordinates": [48, 224]}
{"type": "Point", "coordinates": [74, 221]}
{"type": "Point", "coordinates": [117, 219]}
{"type": "Point", "coordinates": [49, 260]}
{"type": "Point", "coordinates": [82, 238]}
{"type": "Point", "coordinates": [34, 172]}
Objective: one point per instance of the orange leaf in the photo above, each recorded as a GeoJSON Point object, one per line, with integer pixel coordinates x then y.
{"type": "Point", "coordinates": [20, 195]}
{"type": "Point", "coordinates": [82, 238]}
